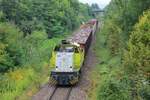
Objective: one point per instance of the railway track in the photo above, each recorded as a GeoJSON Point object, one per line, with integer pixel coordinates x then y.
{"type": "Point", "coordinates": [60, 93]}
{"type": "Point", "coordinates": [53, 92]}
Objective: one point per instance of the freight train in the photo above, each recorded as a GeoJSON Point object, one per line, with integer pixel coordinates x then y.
{"type": "Point", "coordinates": [68, 56]}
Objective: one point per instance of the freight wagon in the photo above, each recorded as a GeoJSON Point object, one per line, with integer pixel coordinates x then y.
{"type": "Point", "coordinates": [68, 56]}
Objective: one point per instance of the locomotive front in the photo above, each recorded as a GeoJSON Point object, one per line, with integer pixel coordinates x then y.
{"type": "Point", "coordinates": [66, 61]}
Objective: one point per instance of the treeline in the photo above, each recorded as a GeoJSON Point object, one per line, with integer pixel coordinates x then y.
{"type": "Point", "coordinates": [30, 21]}
{"type": "Point", "coordinates": [124, 51]}
{"type": "Point", "coordinates": [55, 16]}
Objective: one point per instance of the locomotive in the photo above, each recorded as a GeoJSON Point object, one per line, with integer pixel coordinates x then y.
{"type": "Point", "coordinates": [68, 56]}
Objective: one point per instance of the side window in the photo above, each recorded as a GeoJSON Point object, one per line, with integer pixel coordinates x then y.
{"type": "Point", "coordinates": [76, 50]}
{"type": "Point", "coordinates": [56, 48]}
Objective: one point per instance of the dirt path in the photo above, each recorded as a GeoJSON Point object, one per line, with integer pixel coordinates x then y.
{"type": "Point", "coordinates": [78, 92]}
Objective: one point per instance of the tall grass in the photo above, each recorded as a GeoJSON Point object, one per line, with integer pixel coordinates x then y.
{"type": "Point", "coordinates": [13, 83]}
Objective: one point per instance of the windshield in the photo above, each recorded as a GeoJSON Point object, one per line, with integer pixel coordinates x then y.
{"type": "Point", "coordinates": [64, 49]}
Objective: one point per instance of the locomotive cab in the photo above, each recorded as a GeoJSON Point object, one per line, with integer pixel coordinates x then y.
{"type": "Point", "coordinates": [66, 61]}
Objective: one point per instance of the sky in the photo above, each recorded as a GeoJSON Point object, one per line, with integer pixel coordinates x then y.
{"type": "Point", "coordinates": [101, 3]}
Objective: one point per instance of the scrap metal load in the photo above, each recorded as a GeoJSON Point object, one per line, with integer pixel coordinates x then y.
{"type": "Point", "coordinates": [68, 56]}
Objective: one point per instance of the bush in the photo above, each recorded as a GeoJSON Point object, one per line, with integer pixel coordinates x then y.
{"type": "Point", "coordinates": [136, 59]}
{"type": "Point", "coordinates": [10, 48]}
{"type": "Point", "coordinates": [113, 89]}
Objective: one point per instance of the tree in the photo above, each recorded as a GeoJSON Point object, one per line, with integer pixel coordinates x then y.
{"type": "Point", "coordinates": [95, 6]}
{"type": "Point", "coordinates": [5, 61]}
{"type": "Point", "coordinates": [136, 58]}
{"type": "Point", "coordinates": [138, 54]}
{"type": "Point", "coordinates": [10, 39]}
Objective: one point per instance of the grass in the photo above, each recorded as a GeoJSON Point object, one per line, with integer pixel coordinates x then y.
{"type": "Point", "coordinates": [14, 82]}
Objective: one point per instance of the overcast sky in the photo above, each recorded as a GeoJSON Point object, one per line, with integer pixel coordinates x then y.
{"type": "Point", "coordinates": [101, 3]}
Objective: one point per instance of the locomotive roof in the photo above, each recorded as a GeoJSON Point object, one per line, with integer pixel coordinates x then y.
{"type": "Point", "coordinates": [81, 35]}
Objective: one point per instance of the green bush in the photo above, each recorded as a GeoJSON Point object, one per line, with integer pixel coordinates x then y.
{"type": "Point", "coordinates": [136, 59]}
{"type": "Point", "coordinates": [114, 89]}
{"type": "Point", "coordinates": [10, 47]}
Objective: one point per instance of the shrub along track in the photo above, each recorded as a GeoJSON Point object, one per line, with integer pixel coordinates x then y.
{"type": "Point", "coordinates": [77, 92]}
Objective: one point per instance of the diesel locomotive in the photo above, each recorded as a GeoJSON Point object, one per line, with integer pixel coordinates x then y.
{"type": "Point", "coordinates": [68, 56]}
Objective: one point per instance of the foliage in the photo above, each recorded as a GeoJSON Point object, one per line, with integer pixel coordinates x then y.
{"type": "Point", "coordinates": [136, 57]}
{"type": "Point", "coordinates": [122, 15]}
{"type": "Point", "coordinates": [13, 83]}
{"type": "Point", "coordinates": [138, 54]}
{"type": "Point", "coordinates": [114, 39]}
{"type": "Point", "coordinates": [54, 16]}
{"type": "Point", "coordinates": [5, 61]}
{"type": "Point", "coordinates": [95, 6]}
{"type": "Point", "coordinates": [108, 79]}
{"type": "Point", "coordinates": [36, 48]}
{"type": "Point", "coordinates": [127, 77]}
{"type": "Point", "coordinates": [10, 46]}
{"type": "Point", "coordinates": [85, 10]}
{"type": "Point", "coordinates": [113, 89]}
